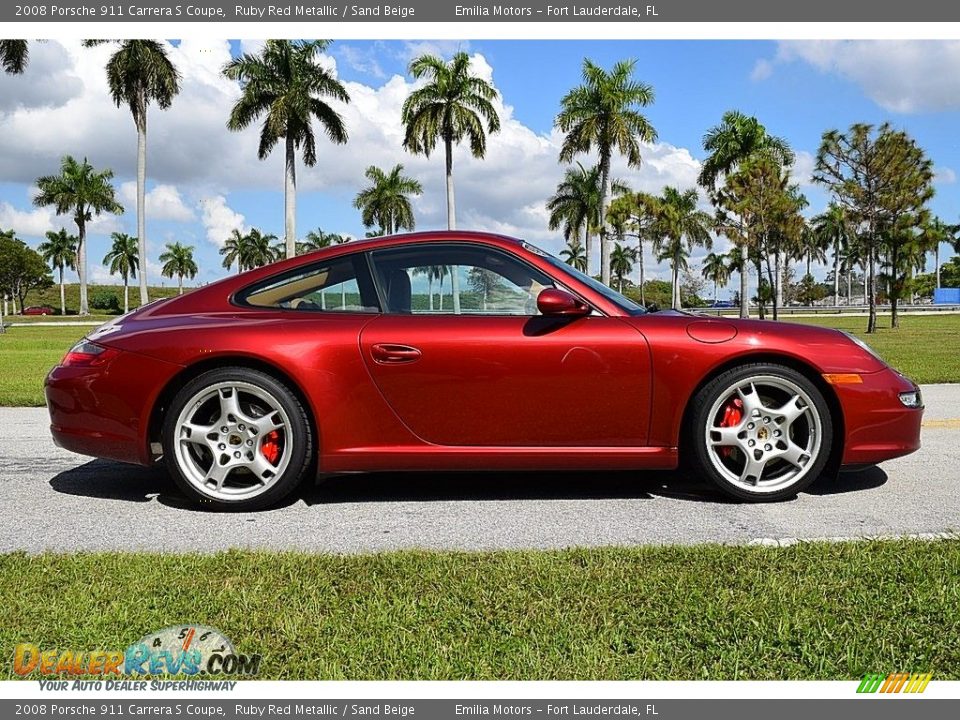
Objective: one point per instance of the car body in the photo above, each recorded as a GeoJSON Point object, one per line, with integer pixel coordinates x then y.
{"type": "Point", "coordinates": [39, 310]}
{"type": "Point", "coordinates": [363, 366]}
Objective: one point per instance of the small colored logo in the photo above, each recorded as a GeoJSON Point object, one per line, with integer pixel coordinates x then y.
{"type": "Point", "coordinates": [177, 650]}
{"type": "Point", "coordinates": [898, 682]}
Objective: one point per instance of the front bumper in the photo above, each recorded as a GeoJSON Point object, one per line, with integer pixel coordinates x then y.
{"type": "Point", "coordinates": [878, 426]}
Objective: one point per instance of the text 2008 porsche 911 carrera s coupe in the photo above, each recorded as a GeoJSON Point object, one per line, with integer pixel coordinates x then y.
{"type": "Point", "coordinates": [465, 351]}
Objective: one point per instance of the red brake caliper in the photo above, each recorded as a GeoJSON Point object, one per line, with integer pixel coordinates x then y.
{"type": "Point", "coordinates": [732, 415]}
{"type": "Point", "coordinates": [270, 446]}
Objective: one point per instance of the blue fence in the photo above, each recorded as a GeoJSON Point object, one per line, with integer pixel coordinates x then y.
{"type": "Point", "coordinates": [946, 296]}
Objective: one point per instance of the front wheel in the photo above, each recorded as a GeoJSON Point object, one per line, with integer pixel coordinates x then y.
{"type": "Point", "coordinates": [237, 438]}
{"type": "Point", "coordinates": [762, 432]}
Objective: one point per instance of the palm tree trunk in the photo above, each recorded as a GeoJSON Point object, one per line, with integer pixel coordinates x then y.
{"type": "Point", "coordinates": [936, 259]}
{"type": "Point", "coordinates": [849, 284]}
{"type": "Point", "coordinates": [780, 265]}
{"type": "Point", "coordinates": [605, 240]}
{"type": "Point", "coordinates": [643, 300]}
{"type": "Point", "coordinates": [451, 205]}
{"type": "Point", "coordinates": [290, 198]}
{"type": "Point", "coordinates": [675, 290]}
{"type": "Point", "coordinates": [836, 274]}
{"type": "Point", "coordinates": [744, 302]}
{"type": "Point", "coordinates": [430, 289]}
{"type": "Point", "coordinates": [141, 203]}
{"type": "Point", "coordinates": [180, 283]}
{"type": "Point", "coordinates": [455, 289]}
{"type": "Point", "coordinates": [63, 299]}
{"type": "Point", "coordinates": [126, 294]}
{"type": "Point", "coordinates": [82, 260]}
{"type": "Point", "coordinates": [588, 244]}
{"type": "Point", "coordinates": [871, 293]}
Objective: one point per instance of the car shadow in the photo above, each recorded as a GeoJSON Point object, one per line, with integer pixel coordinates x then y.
{"type": "Point", "coordinates": [132, 483]}
{"type": "Point", "coordinates": [853, 481]}
{"type": "Point", "coordinates": [529, 485]}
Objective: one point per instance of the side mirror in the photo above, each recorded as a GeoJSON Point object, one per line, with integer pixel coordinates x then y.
{"type": "Point", "coordinates": [554, 302]}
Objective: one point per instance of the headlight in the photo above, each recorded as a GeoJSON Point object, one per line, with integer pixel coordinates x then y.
{"type": "Point", "coordinates": [911, 399]}
{"type": "Point", "coordinates": [866, 348]}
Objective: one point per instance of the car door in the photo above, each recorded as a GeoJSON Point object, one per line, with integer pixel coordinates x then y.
{"type": "Point", "coordinates": [463, 358]}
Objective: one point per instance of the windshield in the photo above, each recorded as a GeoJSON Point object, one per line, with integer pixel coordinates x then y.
{"type": "Point", "coordinates": [625, 304]}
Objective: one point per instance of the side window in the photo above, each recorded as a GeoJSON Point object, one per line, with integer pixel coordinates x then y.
{"type": "Point", "coordinates": [332, 286]}
{"type": "Point", "coordinates": [446, 279]}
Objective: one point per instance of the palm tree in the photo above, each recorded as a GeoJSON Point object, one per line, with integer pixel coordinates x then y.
{"type": "Point", "coordinates": [574, 255]}
{"type": "Point", "coordinates": [13, 56]}
{"type": "Point", "coordinates": [621, 263]}
{"type": "Point", "coordinates": [386, 203]}
{"type": "Point", "coordinates": [604, 112]}
{"type": "Point", "coordinates": [576, 205]}
{"type": "Point", "coordinates": [433, 272]}
{"type": "Point", "coordinates": [81, 190]}
{"type": "Point", "coordinates": [737, 262]}
{"type": "Point", "coordinates": [259, 247]}
{"type": "Point", "coordinates": [139, 73]}
{"type": "Point", "coordinates": [317, 239]}
{"type": "Point", "coordinates": [677, 219]}
{"type": "Point", "coordinates": [451, 107]}
{"type": "Point", "coordinates": [234, 250]}
{"type": "Point", "coordinates": [123, 259]}
{"type": "Point", "coordinates": [60, 251]}
{"type": "Point", "coordinates": [737, 138]}
{"type": "Point", "coordinates": [716, 271]}
{"type": "Point", "coordinates": [936, 232]}
{"type": "Point", "coordinates": [178, 260]}
{"type": "Point", "coordinates": [831, 227]}
{"type": "Point", "coordinates": [285, 85]}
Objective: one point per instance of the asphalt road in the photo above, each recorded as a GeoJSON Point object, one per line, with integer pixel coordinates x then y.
{"type": "Point", "coordinates": [51, 499]}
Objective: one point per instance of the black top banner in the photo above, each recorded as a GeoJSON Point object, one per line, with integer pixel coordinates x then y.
{"type": "Point", "coordinates": [619, 11]}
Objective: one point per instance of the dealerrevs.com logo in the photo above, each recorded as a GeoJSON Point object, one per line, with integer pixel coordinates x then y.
{"type": "Point", "coordinates": [176, 650]}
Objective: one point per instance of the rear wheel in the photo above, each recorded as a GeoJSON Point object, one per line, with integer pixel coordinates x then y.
{"type": "Point", "coordinates": [237, 438]}
{"type": "Point", "coordinates": [761, 432]}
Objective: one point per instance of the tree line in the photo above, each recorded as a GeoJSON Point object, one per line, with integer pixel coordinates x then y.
{"type": "Point", "coordinates": [878, 178]}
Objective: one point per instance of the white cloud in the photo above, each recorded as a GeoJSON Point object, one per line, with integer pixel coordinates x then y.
{"type": "Point", "coordinates": [803, 167]}
{"type": "Point", "coordinates": [363, 60]}
{"type": "Point", "coordinates": [905, 76]}
{"type": "Point", "coordinates": [944, 176]}
{"type": "Point", "coordinates": [192, 155]}
{"type": "Point", "coordinates": [163, 202]}
{"type": "Point", "coordinates": [761, 70]}
{"type": "Point", "coordinates": [219, 220]}
{"type": "Point", "coordinates": [49, 80]}
{"type": "Point", "coordinates": [29, 223]}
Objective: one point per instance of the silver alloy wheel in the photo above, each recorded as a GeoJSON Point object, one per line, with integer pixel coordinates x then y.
{"type": "Point", "coordinates": [774, 443]}
{"type": "Point", "coordinates": [221, 436]}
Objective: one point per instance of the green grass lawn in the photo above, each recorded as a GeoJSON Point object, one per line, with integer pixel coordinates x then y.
{"type": "Point", "coordinates": [26, 356]}
{"type": "Point", "coordinates": [924, 347]}
{"type": "Point", "coordinates": [812, 611]}
{"type": "Point", "coordinates": [51, 295]}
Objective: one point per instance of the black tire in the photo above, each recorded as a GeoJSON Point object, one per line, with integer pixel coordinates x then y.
{"type": "Point", "coordinates": [255, 391]}
{"type": "Point", "coordinates": [719, 449]}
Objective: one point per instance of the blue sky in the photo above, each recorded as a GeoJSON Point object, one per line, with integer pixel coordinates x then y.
{"type": "Point", "coordinates": [203, 180]}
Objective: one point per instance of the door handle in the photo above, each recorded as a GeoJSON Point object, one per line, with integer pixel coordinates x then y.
{"type": "Point", "coordinates": [391, 353]}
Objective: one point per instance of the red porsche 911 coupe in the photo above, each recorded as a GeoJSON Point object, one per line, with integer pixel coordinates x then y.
{"type": "Point", "coordinates": [465, 351]}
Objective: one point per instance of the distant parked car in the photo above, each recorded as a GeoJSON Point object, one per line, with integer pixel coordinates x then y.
{"type": "Point", "coordinates": [722, 304]}
{"type": "Point", "coordinates": [39, 310]}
